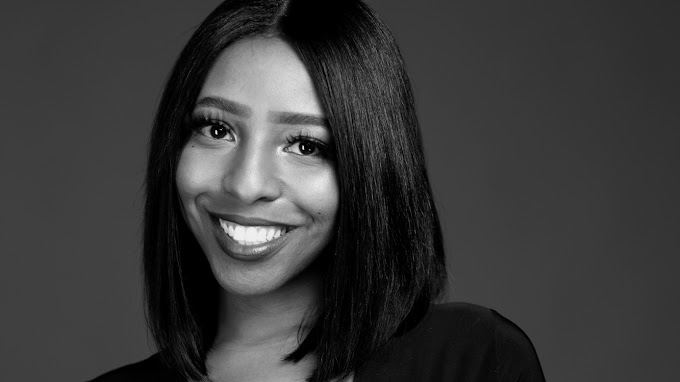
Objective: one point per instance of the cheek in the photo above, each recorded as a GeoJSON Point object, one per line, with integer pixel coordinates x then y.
{"type": "Point", "coordinates": [192, 180]}
{"type": "Point", "coordinates": [185, 177]}
{"type": "Point", "coordinates": [193, 175]}
{"type": "Point", "coordinates": [320, 194]}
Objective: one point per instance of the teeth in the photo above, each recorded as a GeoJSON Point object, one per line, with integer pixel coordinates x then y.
{"type": "Point", "coordinates": [262, 235]}
{"type": "Point", "coordinates": [249, 235]}
{"type": "Point", "coordinates": [239, 233]}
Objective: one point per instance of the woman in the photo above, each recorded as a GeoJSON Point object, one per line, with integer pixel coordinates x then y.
{"type": "Point", "coordinates": [290, 231]}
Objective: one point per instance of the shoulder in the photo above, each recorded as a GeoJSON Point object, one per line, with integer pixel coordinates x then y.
{"type": "Point", "coordinates": [462, 323]}
{"type": "Point", "coordinates": [459, 341]}
{"type": "Point", "coordinates": [150, 369]}
{"type": "Point", "coordinates": [455, 321]}
{"type": "Point", "coordinates": [457, 318]}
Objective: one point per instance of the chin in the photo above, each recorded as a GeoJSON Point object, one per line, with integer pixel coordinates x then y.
{"type": "Point", "coordinates": [263, 278]}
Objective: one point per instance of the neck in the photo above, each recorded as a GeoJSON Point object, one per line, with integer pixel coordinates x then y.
{"type": "Point", "coordinates": [269, 319]}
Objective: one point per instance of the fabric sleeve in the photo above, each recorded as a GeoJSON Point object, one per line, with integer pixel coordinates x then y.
{"type": "Point", "coordinates": [148, 370]}
{"type": "Point", "coordinates": [515, 354]}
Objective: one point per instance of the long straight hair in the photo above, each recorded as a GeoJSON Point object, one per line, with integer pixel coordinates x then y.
{"type": "Point", "coordinates": [386, 263]}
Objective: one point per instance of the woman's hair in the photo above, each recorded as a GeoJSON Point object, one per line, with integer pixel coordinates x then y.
{"type": "Point", "coordinates": [386, 263]}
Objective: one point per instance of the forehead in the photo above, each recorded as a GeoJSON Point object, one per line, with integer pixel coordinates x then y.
{"type": "Point", "coordinates": [264, 73]}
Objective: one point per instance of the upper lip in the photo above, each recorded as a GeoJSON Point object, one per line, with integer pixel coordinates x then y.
{"type": "Point", "coordinates": [248, 221]}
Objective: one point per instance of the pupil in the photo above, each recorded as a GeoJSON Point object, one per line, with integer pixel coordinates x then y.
{"type": "Point", "coordinates": [307, 148]}
{"type": "Point", "coordinates": [217, 131]}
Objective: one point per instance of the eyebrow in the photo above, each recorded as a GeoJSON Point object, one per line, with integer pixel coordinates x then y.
{"type": "Point", "coordinates": [226, 105]}
{"type": "Point", "coordinates": [280, 117]}
{"type": "Point", "coordinates": [290, 118]}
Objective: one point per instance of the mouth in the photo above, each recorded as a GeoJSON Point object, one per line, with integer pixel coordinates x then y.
{"type": "Point", "coordinates": [249, 242]}
{"type": "Point", "coordinates": [251, 235]}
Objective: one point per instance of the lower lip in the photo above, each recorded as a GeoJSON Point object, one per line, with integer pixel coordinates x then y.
{"type": "Point", "coordinates": [243, 252]}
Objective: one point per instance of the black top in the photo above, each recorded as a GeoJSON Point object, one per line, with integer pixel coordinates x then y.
{"type": "Point", "coordinates": [456, 342]}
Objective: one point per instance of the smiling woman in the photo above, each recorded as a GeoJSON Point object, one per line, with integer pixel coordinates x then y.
{"type": "Point", "coordinates": [290, 230]}
{"type": "Point", "coordinates": [255, 177]}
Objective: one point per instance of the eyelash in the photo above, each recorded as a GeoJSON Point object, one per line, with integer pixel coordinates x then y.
{"type": "Point", "coordinates": [196, 124]}
{"type": "Point", "coordinates": [322, 147]}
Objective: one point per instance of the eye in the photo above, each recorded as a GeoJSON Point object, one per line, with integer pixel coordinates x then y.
{"type": "Point", "coordinates": [218, 131]}
{"type": "Point", "coordinates": [306, 146]}
{"type": "Point", "coordinates": [215, 130]}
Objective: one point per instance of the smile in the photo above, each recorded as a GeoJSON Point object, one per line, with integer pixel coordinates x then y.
{"type": "Point", "coordinates": [251, 235]}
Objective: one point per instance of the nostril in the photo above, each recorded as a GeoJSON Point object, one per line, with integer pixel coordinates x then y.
{"type": "Point", "coordinates": [252, 186]}
{"type": "Point", "coordinates": [250, 173]}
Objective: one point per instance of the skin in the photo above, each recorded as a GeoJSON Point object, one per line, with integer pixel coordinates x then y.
{"type": "Point", "coordinates": [244, 163]}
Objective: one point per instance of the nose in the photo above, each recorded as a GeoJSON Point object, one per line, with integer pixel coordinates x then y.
{"type": "Point", "coordinates": [250, 174]}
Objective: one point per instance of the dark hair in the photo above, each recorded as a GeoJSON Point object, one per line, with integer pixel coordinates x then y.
{"type": "Point", "coordinates": [387, 262]}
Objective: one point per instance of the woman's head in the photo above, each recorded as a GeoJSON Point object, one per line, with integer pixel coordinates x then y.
{"type": "Point", "coordinates": [256, 178]}
{"type": "Point", "coordinates": [384, 261]}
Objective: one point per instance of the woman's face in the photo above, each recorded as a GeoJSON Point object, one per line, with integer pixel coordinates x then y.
{"type": "Point", "coordinates": [256, 180]}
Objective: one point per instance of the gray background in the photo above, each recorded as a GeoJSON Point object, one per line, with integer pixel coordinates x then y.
{"type": "Point", "coordinates": [551, 131]}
